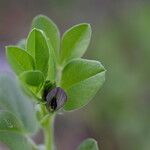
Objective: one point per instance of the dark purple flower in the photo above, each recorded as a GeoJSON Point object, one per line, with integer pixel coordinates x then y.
{"type": "Point", "coordinates": [56, 99]}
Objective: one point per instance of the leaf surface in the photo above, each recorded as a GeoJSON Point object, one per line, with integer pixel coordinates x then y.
{"type": "Point", "coordinates": [37, 47]}
{"type": "Point", "coordinates": [49, 27]}
{"type": "Point", "coordinates": [15, 141]}
{"type": "Point", "coordinates": [75, 42]}
{"type": "Point", "coordinates": [81, 79]}
{"type": "Point", "coordinates": [8, 122]}
{"type": "Point", "coordinates": [13, 100]}
{"type": "Point", "coordinates": [19, 59]}
{"type": "Point", "coordinates": [53, 39]}
{"type": "Point", "coordinates": [32, 78]}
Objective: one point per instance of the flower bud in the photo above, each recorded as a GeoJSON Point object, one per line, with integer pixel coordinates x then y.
{"type": "Point", "coordinates": [48, 86]}
{"type": "Point", "coordinates": [56, 99]}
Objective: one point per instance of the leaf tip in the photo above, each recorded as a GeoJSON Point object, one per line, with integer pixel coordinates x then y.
{"type": "Point", "coordinates": [8, 49]}
{"type": "Point", "coordinates": [40, 16]}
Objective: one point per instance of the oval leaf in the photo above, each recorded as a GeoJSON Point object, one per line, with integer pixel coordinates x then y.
{"type": "Point", "coordinates": [37, 47]}
{"type": "Point", "coordinates": [12, 99]}
{"type": "Point", "coordinates": [88, 144]}
{"type": "Point", "coordinates": [75, 42]}
{"type": "Point", "coordinates": [19, 59]}
{"type": "Point", "coordinates": [81, 79]}
{"type": "Point", "coordinates": [49, 27]}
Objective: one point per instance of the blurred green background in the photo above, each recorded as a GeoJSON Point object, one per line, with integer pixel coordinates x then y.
{"type": "Point", "coordinates": [119, 115]}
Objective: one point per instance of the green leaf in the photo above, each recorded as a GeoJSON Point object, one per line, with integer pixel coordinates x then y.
{"type": "Point", "coordinates": [17, 116]}
{"type": "Point", "coordinates": [53, 39]}
{"type": "Point", "coordinates": [88, 144]}
{"type": "Point", "coordinates": [12, 99]}
{"type": "Point", "coordinates": [37, 47]}
{"type": "Point", "coordinates": [75, 42]}
{"type": "Point", "coordinates": [51, 69]}
{"type": "Point", "coordinates": [33, 78]}
{"type": "Point", "coordinates": [9, 122]}
{"type": "Point", "coordinates": [15, 141]}
{"type": "Point", "coordinates": [19, 59]}
{"type": "Point", "coordinates": [81, 79]}
{"type": "Point", "coordinates": [49, 27]}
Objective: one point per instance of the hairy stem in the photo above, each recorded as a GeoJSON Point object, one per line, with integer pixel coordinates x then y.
{"type": "Point", "coordinates": [49, 133]}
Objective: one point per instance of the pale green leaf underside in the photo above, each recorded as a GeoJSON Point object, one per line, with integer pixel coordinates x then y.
{"type": "Point", "coordinates": [12, 99]}
{"type": "Point", "coordinates": [89, 144]}
{"type": "Point", "coordinates": [14, 141]}
{"type": "Point", "coordinates": [81, 79]}
{"type": "Point", "coordinates": [32, 78]}
{"type": "Point", "coordinates": [19, 59]}
{"type": "Point", "coordinates": [37, 47]}
{"type": "Point", "coordinates": [49, 27]}
{"type": "Point", "coordinates": [8, 122]}
{"type": "Point", "coordinates": [75, 42]}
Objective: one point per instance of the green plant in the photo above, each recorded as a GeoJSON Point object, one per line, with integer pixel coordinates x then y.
{"type": "Point", "coordinates": [54, 76]}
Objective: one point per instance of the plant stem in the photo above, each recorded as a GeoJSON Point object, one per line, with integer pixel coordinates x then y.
{"type": "Point", "coordinates": [49, 133]}
{"type": "Point", "coordinates": [59, 73]}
